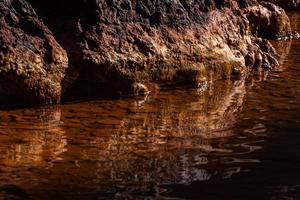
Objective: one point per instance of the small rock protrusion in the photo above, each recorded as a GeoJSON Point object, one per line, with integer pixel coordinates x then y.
{"type": "Point", "coordinates": [140, 89]}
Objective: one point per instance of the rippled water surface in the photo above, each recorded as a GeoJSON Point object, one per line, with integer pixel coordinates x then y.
{"type": "Point", "coordinates": [232, 140]}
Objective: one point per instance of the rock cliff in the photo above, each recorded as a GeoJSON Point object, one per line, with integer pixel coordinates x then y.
{"type": "Point", "coordinates": [55, 49]}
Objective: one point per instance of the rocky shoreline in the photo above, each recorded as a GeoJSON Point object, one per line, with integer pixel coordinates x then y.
{"type": "Point", "coordinates": [53, 50]}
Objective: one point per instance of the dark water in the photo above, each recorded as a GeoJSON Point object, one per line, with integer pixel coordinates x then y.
{"type": "Point", "coordinates": [230, 140]}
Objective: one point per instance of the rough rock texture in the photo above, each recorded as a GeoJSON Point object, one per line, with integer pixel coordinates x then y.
{"type": "Point", "coordinates": [120, 43]}
{"type": "Point", "coordinates": [268, 21]}
{"type": "Point", "coordinates": [32, 64]}
{"type": "Point", "coordinates": [287, 4]}
{"type": "Point", "coordinates": [129, 46]}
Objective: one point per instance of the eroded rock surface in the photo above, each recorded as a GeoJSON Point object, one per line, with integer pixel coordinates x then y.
{"type": "Point", "coordinates": [287, 4]}
{"type": "Point", "coordinates": [32, 63]}
{"type": "Point", "coordinates": [114, 46]}
{"type": "Point", "coordinates": [268, 21]}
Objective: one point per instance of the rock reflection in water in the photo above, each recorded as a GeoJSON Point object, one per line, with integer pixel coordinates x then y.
{"type": "Point", "coordinates": [31, 138]}
{"type": "Point", "coordinates": [130, 148]}
{"type": "Point", "coordinates": [121, 147]}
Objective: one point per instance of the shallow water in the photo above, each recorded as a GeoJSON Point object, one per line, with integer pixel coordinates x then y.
{"type": "Point", "coordinates": [234, 139]}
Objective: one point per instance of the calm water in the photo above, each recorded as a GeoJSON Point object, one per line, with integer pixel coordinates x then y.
{"type": "Point", "coordinates": [231, 140]}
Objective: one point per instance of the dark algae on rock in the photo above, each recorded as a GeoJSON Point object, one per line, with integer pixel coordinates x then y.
{"type": "Point", "coordinates": [57, 49]}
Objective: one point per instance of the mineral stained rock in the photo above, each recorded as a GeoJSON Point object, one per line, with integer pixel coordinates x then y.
{"type": "Point", "coordinates": [268, 21]}
{"type": "Point", "coordinates": [128, 46]}
{"type": "Point", "coordinates": [32, 63]}
{"type": "Point", "coordinates": [287, 4]}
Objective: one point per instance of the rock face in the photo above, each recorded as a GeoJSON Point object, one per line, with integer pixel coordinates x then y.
{"type": "Point", "coordinates": [32, 63]}
{"type": "Point", "coordinates": [114, 46]}
{"type": "Point", "coordinates": [287, 4]}
{"type": "Point", "coordinates": [268, 21]}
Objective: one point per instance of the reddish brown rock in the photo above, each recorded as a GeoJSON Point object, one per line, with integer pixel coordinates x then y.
{"type": "Point", "coordinates": [116, 44]}
{"type": "Point", "coordinates": [287, 4]}
{"type": "Point", "coordinates": [268, 21]}
{"type": "Point", "coordinates": [124, 46]}
{"type": "Point", "coordinates": [32, 63]}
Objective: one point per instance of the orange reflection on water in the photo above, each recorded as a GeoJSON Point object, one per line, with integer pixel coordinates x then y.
{"type": "Point", "coordinates": [159, 139]}
{"type": "Point", "coordinates": [31, 137]}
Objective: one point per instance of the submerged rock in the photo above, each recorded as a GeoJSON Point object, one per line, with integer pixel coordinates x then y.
{"type": "Point", "coordinates": [112, 45]}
